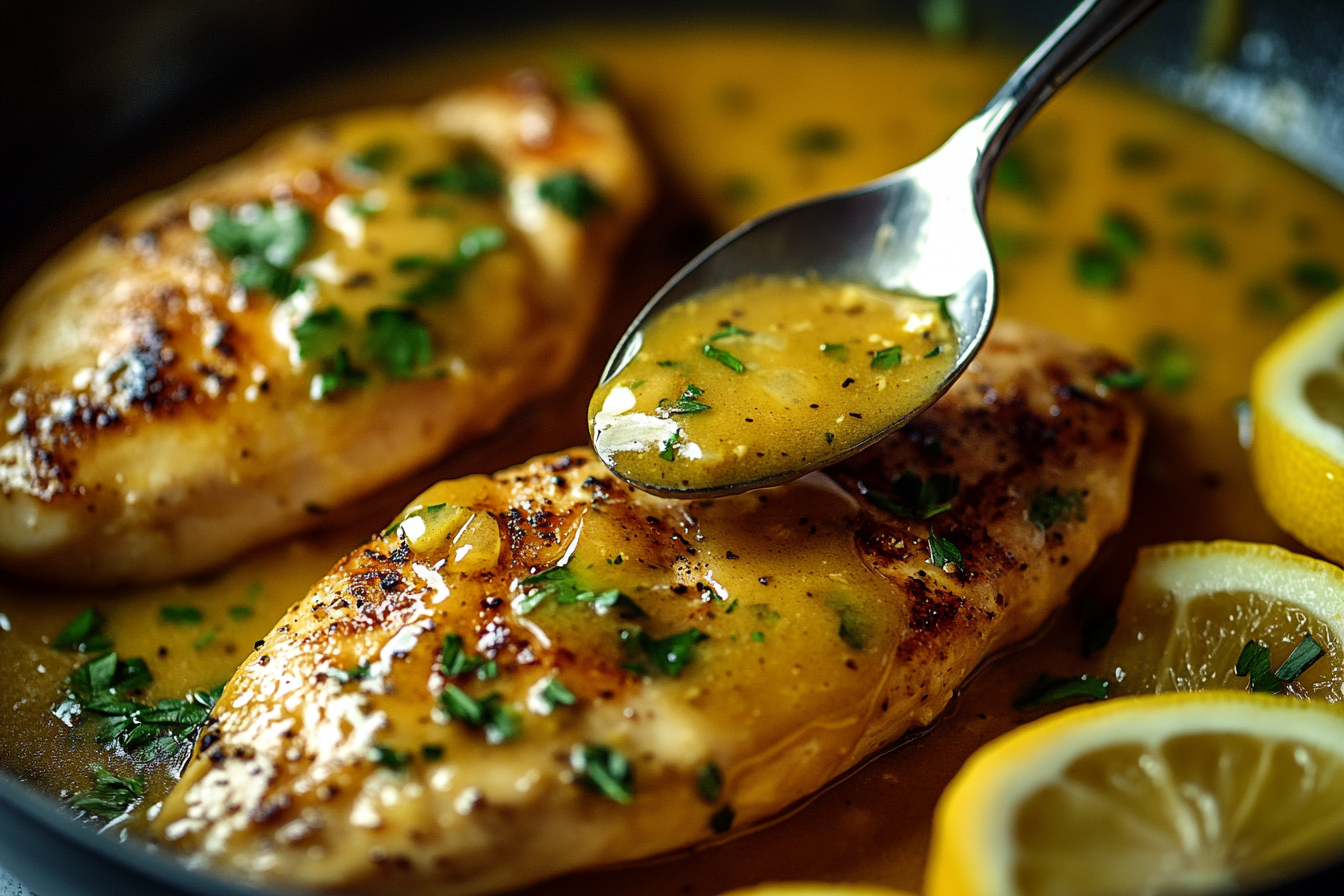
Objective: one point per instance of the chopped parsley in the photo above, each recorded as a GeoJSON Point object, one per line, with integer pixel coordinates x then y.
{"type": "Point", "coordinates": [1315, 276]}
{"type": "Point", "coordinates": [454, 660]}
{"type": "Point", "coordinates": [758, 637]}
{"type": "Point", "coordinates": [818, 139]}
{"type": "Point", "coordinates": [724, 358]}
{"type": "Point", "coordinates": [432, 752]}
{"type": "Point", "coordinates": [103, 687]}
{"type": "Point", "coordinates": [887, 358]}
{"type": "Point", "coordinates": [667, 453]}
{"type": "Point", "coordinates": [442, 276]}
{"type": "Point", "coordinates": [709, 781]}
{"type": "Point", "coordinates": [1204, 245]}
{"type": "Point", "coordinates": [1123, 234]}
{"type": "Point", "coordinates": [338, 373]}
{"type": "Point", "coordinates": [1125, 380]}
{"type": "Point", "coordinates": [1014, 173]}
{"type": "Point", "coordinates": [1053, 688]}
{"type": "Point", "coordinates": [499, 721]}
{"type": "Point", "coordinates": [354, 673]}
{"type": "Point", "coordinates": [572, 193]}
{"type": "Point", "coordinates": [374, 158]}
{"type": "Point", "coordinates": [181, 615]}
{"type": "Point", "coordinates": [1098, 267]}
{"type": "Point", "coordinates": [942, 552]}
{"type": "Point", "coordinates": [837, 350]}
{"type": "Point", "coordinates": [398, 340]}
{"type": "Point", "coordinates": [110, 796]}
{"type": "Point", "coordinates": [472, 173]}
{"type": "Point", "coordinates": [1190, 200]}
{"type": "Point", "coordinates": [729, 329]}
{"type": "Point", "coordinates": [722, 820]}
{"type": "Point", "coordinates": [264, 241]}
{"type": "Point", "coordinates": [830, 437]}
{"type": "Point", "coordinates": [851, 629]}
{"type": "Point", "coordinates": [240, 612]}
{"type": "Point", "coordinates": [554, 694]}
{"type": "Point", "coordinates": [600, 768]}
{"type": "Point", "coordinates": [1048, 509]}
{"type": "Point", "coordinates": [1170, 361]}
{"type": "Point", "coordinates": [84, 634]}
{"type": "Point", "coordinates": [1253, 663]}
{"type": "Point", "coordinates": [946, 20]}
{"type": "Point", "coordinates": [1265, 297]}
{"type": "Point", "coordinates": [388, 758]}
{"type": "Point", "coordinates": [560, 584]}
{"type": "Point", "coordinates": [671, 654]}
{"type": "Point", "coordinates": [583, 79]}
{"type": "Point", "coordinates": [739, 188]}
{"type": "Point", "coordinates": [686, 403]}
{"type": "Point", "coordinates": [1136, 154]}
{"type": "Point", "coordinates": [319, 335]}
{"type": "Point", "coordinates": [913, 497]}
{"type": "Point", "coordinates": [205, 640]}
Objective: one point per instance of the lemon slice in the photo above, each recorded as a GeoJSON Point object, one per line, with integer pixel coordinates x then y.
{"type": "Point", "coordinates": [1188, 793]}
{"type": "Point", "coordinates": [1190, 608]}
{"type": "Point", "coordinates": [1297, 453]}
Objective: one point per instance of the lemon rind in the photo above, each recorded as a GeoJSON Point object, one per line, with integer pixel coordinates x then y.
{"type": "Point", "coordinates": [972, 849]}
{"type": "Point", "coordinates": [1188, 569]}
{"type": "Point", "coordinates": [1285, 366]}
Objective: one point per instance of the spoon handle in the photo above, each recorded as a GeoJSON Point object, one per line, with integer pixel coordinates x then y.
{"type": "Point", "coordinates": [1090, 28]}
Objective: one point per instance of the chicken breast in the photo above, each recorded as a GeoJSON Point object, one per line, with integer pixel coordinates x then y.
{"type": "Point", "coordinates": [543, 669]}
{"type": "Point", "coordinates": [215, 365]}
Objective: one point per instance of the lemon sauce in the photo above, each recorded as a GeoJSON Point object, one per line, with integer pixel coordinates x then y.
{"type": "Point", "coordinates": [763, 377]}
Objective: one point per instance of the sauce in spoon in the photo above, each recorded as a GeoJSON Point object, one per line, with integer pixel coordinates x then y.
{"type": "Point", "coordinates": [765, 376]}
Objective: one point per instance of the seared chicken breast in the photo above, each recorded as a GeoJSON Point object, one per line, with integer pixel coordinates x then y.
{"type": "Point", "coordinates": [212, 366]}
{"type": "Point", "coordinates": [542, 670]}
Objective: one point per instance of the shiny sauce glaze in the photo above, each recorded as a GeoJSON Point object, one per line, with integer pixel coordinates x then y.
{"type": "Point", "coordinates": [760, 378]}
{"type": "Point", "coordinates": [1234, 242]}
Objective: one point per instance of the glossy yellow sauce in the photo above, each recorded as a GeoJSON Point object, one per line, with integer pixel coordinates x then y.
{"type": "Point", "coordinates": [762, 378]}
{"type": "Point", "coordinates": [732, 118]}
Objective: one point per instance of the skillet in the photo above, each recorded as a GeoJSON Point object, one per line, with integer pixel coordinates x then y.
{"type": "Point", "coordinates": [88, 88]}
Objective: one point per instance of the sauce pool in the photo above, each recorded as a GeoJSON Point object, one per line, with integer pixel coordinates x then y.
{"type": "Point", "coordinates": [762, 378]}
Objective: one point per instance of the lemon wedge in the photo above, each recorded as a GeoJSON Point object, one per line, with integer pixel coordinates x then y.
{"type": "Point", "coordinates": [1297, 404]}
{"type": "Point", "coordinates": [1189, 609]}
{"type": "Point", "coordinates": [1189, 793]}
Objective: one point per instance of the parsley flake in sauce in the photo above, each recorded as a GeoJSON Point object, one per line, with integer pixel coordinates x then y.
{"type": "Point", "coordinates": [709, 781]}
{"type": "Point", "coordinates": [607, 771]}
{"type": "Point", "coordinates": [887, 358]}
{"type": "Point", "coordinates": [499, 721]}
{"type": "Point", "coordinates": [443, 276]}
{"type": "Point", "coordinates": [319, 334]}
{"type": "Point", "coordinates": [671, 654]}
{"type": "Point", "coordinates": [1053, 689]}
{"type": "Point", "coordinates": [111, 795]}
{"type": "Point", "coordinates": [84, 634]}
{"type": "Point", "coordinates": [472, 173]}
{"type": "Point", "coordinates": [913, 497]}
{"type": "Point", "coordinates": [572, 193]}
{"type": "Point", "coordinates": [723, 358]}
{"type": "Point", "coordinates": [264, 241]}
{"type": "Point", "coordinates": [398, 341]}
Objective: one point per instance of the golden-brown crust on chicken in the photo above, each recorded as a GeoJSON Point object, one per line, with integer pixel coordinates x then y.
{"type": "Point", "coordinates": [739, 652]}
{"type": "Point", "coordinates": [160, 417]}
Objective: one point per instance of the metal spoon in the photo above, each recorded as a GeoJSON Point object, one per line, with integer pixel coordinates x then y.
{"type": "Point", "coordinates": [919, 230]}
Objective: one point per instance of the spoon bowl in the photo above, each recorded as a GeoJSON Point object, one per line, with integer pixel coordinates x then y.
{"type": "Point", "coordinates": [918, 231]}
